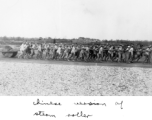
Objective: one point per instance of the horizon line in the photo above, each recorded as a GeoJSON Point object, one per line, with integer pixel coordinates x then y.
{"type": "Point", "coordinates": [73, 38]}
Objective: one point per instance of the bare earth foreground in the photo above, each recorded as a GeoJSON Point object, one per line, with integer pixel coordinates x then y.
{"type": "Point", "coordinates": [53, 79]}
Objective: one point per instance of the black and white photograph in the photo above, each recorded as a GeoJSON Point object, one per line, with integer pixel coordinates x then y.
{"type": "Point", "coordinates": [75, 48]}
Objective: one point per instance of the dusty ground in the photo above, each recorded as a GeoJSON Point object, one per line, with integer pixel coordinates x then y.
{"type": "Point", "coordinates": [35, 77]}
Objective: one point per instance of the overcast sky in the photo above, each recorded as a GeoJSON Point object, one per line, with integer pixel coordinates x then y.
{"type": "Point", "coordinates": [101, 19]}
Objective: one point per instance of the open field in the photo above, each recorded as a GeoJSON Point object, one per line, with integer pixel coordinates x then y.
{"type": "Point", "coordinates": [57, 78]}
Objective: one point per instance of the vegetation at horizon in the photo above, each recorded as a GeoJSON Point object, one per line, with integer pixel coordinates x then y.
{"type": "Point", "coordinates": [80, 40]}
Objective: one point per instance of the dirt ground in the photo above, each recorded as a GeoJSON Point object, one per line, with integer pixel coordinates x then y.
{"type": "Point", "coordinates": [61, 78]}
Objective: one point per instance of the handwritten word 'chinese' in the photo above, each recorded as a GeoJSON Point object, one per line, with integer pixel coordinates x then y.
{"type": "Point", "coordinates": [38, 102]}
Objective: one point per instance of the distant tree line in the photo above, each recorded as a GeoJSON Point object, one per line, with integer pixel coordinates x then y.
{"type": "Point", "coordinates": [80, 40]}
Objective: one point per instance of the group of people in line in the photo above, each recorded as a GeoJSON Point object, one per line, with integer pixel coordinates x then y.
{"type": "Point", "coordinates": [75, 52]}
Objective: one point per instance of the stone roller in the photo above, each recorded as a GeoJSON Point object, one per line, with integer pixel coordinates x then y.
{"type": "Point", "coordinates": [8, 52]}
